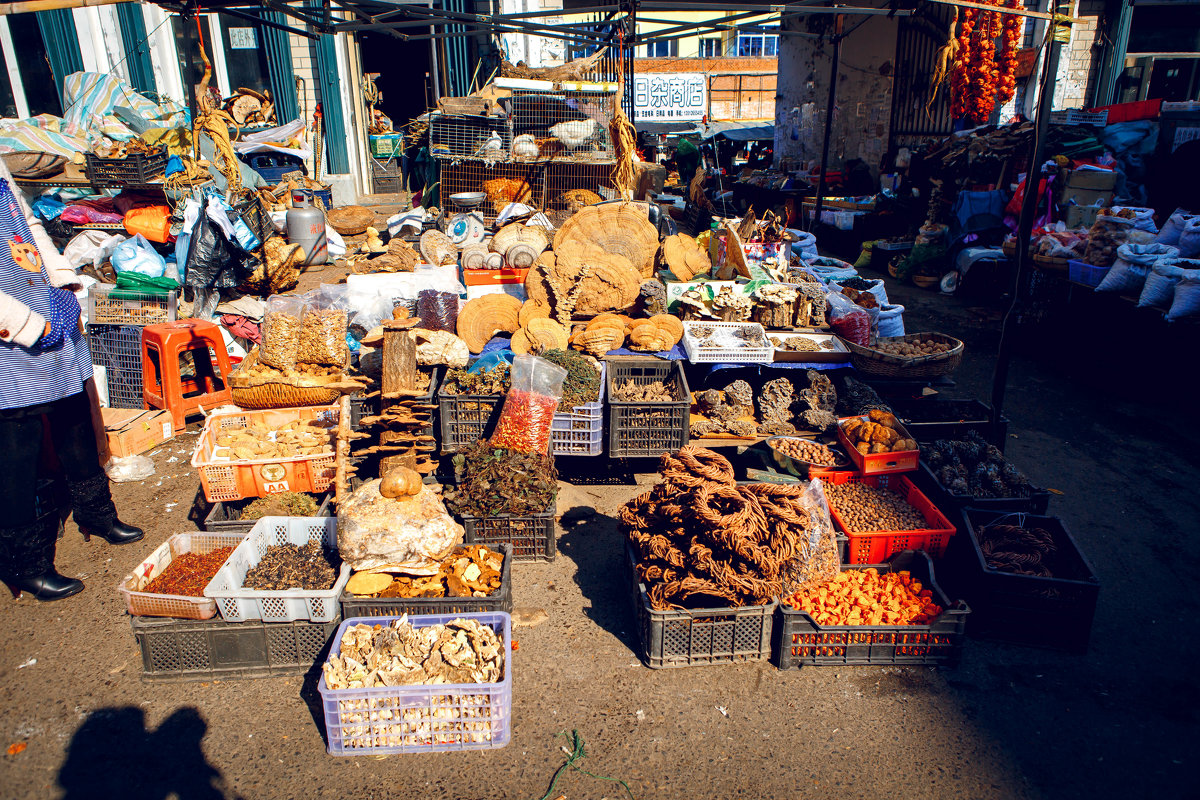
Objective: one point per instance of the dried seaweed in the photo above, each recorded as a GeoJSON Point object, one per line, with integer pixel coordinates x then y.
{"type": "Point", "coordinates": [492, 481]}
{"type": "Point", "coordinates": [284, 504]}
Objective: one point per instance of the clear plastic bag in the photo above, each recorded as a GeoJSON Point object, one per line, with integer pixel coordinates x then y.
{"type": "Point", "coordinates": [323, 328]}
{"type": "Point", "coordinates": [530, 405]}
{"type": "Point", "coordinates": [281, 331]}
{"type": "Point", "coordinates": [438, 310]}
{"type": "Point", "coordinates": [848, 320]}
{"type": "Point", "coordinates": [819, 558]}
{"type": "Point", "coordinates": [1106, 235]}
{"type": "Point", "coordinates": [129, 468]}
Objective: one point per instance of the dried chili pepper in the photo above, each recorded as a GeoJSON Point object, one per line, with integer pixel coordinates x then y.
{"type": "Point", "coordinates": [188, 574]}
{"type": "Point", "coordinates": [525, 422]}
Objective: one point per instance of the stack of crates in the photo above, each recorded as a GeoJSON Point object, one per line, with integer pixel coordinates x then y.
{"type": "Point", "coordinates": [115, 322]}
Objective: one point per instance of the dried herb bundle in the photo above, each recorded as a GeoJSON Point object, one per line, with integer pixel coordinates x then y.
{"type": "Point", "coordinates": [289, 566]}
{"type": "Point", "coordinates": [493, 481]}
{"type": "Point", "coordinates": [284, 504]}
{"type": "Point", "coordinates": [582, 384]}
{"type": "Point", "coordinates": [488, 381]}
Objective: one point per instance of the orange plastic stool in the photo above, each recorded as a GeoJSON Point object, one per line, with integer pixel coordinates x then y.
{"type": "Point", "coordinates": [163, 385]}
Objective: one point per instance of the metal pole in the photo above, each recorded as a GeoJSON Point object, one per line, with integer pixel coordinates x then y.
{"type": "Point", "coordinates": [833, 77]}
{"type": "Point", "coordinates": [1059, 33]}
{"type": "Point", "coordinates": [433, 63]}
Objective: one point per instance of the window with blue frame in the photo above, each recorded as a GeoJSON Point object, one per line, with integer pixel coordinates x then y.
{"type": "Point", "coordinates": [662, 49]}
{"type": "Point", "coordinates": [753, 45]}
{"type": "Point", "coordinates": [710, 47]}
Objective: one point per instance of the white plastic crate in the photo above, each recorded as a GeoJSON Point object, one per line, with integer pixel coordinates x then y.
{"type": "Point", "coordinates": [237, 604]}
{"type": "Point", "coordinates": [726, 355]}
{"type": "Point", "coordinates": [145, 604]}
{"type": "Point", "coordinates": [581, 431]}
{"type": "Point", "coordinates": [422, 718]}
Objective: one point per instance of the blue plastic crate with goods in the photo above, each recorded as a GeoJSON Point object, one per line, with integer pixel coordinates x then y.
{"type": "Point", "coordinates": [421, 718]}
{"type": "Point", "coordinates": [1084, 273]}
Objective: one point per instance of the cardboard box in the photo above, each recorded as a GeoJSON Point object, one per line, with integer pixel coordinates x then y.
{"type": "Point", "coordinates": [1092, 179]}
{"type": "Point", "coordinates": [131, 431]}
{"type": "Point", "coordinates": [1095, 198]}
{"type": "Point", "coordinates": [1081, 216]}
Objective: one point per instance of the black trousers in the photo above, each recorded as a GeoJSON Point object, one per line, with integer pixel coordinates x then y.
{"type": "Point", "coordinates": [25, 546]}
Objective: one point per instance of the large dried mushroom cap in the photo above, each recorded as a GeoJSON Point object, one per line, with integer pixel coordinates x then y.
{"type": "Point", "coordinates": [611, 281]}
{"type": "Point", "coordinates": [600, 340]}
{"type": "Point", "coordinates": [684, 257]}
{"type": "Point", "coordinates": [482, 318]}
{"type": "Point", "coordinates": [534, 237]}
{"type": "Point", "coordinates": [474, 256]}
{"type": "Point", "coordinates": [532, 309]}
{"type": "Point", "coordinates": [616, 228]}
{"type": "Point", "coordinates": [735, 256]}
{"type": "Point", "coordinates": [438, 249]}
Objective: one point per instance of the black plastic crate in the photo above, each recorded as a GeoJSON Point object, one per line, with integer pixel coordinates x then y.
{"type": "Point", "coordinates": [931, 419]}
{"type": "Point", "coordinates": [1054, 612]}
{"type": "Point", "coordinates": [256, 217]}
{"type": "Point", "coordinates": [362, 406]}
{"type": "Point", "coordinates": [1036, 503]}
{"type": "Point", "coordinates": [177, 650]}
{"type": "Point", "coordinates": [500, 600]}
{"type": "Point", "coordinates": [531, 536]}
{"type": "Point", "coordinates": [464, 419]}
{"type": "Point", "coordinates": [136, 169]}
{"type": "Point", "coordinates": [118, 348]}
{"type": "Point", "coordinates": [700, 636]}
{"type": "Point", "coordinates": [802, 642]}
{"type": "Point", "coordinates": [224, 517]}
{"type": "Point", "coordinates": [647, 429]}
{"type": "Point", "coordinates": [273, 166]}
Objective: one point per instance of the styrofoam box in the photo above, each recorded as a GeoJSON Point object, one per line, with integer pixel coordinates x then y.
{"type": "Point", "coordinates": [237, 604]}
{"type": "Point", "coordinates": [421, 718]}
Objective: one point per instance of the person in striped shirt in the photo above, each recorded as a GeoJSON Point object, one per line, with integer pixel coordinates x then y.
{"type": "Point", "coordinates": [45, 367]}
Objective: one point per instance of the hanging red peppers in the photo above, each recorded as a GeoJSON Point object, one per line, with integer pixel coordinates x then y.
{"type": "Point", "coordinates": [980, 79]}
{"type": "Point", "coordinates": [1012, 27]}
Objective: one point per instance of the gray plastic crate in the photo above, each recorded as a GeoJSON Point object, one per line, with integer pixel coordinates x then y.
{"type": "Point", "coordinates": [118, 348]}
{"type": "Point", "coordinates": [531, 536]}
{"type": "Point", "coordinates": [500, 600]}
{"type": "Point", "coordinates": [647, 429]}
{"type": "Point", "coordinates": [177, 650]}
{"type": "Point", "coordinates": [698, 636]}
{"type": "Point", "coordinates": [225, 517]}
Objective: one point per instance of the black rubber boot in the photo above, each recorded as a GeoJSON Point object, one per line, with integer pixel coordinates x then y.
{"type": "Point", "coordinates": [29, 563]}
{"type": "Point", "coordinates": [95, 514]}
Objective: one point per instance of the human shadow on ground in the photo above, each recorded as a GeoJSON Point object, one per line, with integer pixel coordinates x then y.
{"type": "Point", "coordinates": [595, 544]}
{"type": "Point", "coordinates": [114, 754]}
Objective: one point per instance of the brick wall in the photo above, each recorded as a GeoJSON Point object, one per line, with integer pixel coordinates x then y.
{"type": "Point", "coordinates": [1078, 67]}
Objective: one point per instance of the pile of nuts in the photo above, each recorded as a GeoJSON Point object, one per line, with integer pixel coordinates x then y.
{"type": "Point", "coordinates": [865, 508]}
{"type": "Point", "coordinates": [808, 451]}
{"type": "Point", "coordinates": [914, 347]}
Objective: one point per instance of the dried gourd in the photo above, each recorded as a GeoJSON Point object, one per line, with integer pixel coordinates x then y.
{"type": "Point", "coordinates": [400, 482]}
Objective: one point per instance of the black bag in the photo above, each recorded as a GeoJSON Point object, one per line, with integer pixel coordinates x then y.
{"type": "Point", "coordinates": [212, 260]}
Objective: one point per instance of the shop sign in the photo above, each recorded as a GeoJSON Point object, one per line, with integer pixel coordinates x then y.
{"type": "Point", "coordinates": [669, 96]}
{"type": "Point", "coordinates": [242, 39]}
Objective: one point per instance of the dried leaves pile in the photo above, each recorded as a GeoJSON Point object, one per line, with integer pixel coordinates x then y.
{"type": "Point", "coordinates": [492, 480]}
{"type": "Point", "coordinates": [582, 384]}
{"type": "Point", "coordinates": [289, 566]}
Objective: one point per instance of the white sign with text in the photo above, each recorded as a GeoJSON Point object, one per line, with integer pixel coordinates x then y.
{"type": "Point", "coordinates": [666, 96]}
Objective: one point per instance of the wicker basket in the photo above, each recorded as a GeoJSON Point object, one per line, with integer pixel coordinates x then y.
{"type": "Point", "coordinates": [257, 392]}
{"type": "Point", "coordinates": [1050, 263]}
{"type": "Point", "coordinates": [874, 362]}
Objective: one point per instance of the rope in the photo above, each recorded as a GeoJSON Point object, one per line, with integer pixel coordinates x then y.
{"type": "Point", "coordinates": [700, 537]}
{"type": "Point", "coordinates": [1010, 548]}
{"type": "Point", "coordinates": [577, 754]}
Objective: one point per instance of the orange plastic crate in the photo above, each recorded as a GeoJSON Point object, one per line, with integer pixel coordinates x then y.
{"type": "Point", "coordinates": [875, 547]}
{"type": "Point", "coordinates": [233, 480]}
{"type": "Point", "coordinates": [879, 463]}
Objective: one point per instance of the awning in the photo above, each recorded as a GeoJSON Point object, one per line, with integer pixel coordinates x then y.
{"type": "Point", "coordinates": [740, 131]}
{"type": "Point", "coordinates": [679, 126]}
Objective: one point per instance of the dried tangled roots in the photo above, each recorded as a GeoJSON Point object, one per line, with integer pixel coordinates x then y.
{"type": "Point", "coordinates": [700, 539]}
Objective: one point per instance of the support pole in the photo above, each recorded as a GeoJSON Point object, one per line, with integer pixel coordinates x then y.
{"type": "Point", "coordinates": [1059, 33]}
{"type": "Point", "coordinates": [434, 69]}
{"type": "Point", "coordinates": [833, 78]}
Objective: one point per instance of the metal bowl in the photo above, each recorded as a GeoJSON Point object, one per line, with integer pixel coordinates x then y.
{"type": "Point", "coordinates": [799, 468]}
{"type": "Point", "coordinates": [468, 199]}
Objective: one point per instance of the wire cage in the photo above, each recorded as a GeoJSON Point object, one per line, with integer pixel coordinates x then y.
{"type": "Point", "coordinates": [547, 138]}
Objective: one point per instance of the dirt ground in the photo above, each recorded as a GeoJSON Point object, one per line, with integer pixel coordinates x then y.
{"type": "Point", "coordinates": [1009, 722]}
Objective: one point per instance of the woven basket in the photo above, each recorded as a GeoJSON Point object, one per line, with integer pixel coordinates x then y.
{"type": "Point", "coordinates": [281, 395]}
{"type": "Point", "coordinates": [874, 362]}
{"type": "Point", "coordinates": [1050, 263]}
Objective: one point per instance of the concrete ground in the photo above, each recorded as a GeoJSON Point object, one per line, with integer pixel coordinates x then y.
{"type": "Point", "coordinates": [1009, 722]}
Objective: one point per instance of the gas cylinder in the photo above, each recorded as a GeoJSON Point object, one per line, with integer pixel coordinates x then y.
{"type": "Point", "coordinates": [306, 227]}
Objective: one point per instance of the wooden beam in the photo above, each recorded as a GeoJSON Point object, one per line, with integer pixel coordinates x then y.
{"type": "Point", "coordinates": [1020, 12]}
{"type": "Point", "coordinates": [399, 362]}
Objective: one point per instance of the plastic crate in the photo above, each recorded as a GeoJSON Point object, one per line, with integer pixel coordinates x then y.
{"type": "Point", "coordinates": [726, 355]}
{"type": "Point", "coordinates": [1130, 112]}
{"type": "Point", "coordinates": [931, 419]}
{"type": "Point", "coordinates": [647, 429]}
{"type": "Point", "coordinates": [802, 642]}
{"type": "Point", "coordinates": [237, 604]}
{"type": "Point", "coordinates": [145, 604]}
{"type": "Point", "coordinates": [531, 536]}
{"type": "Point", "coordinates": [234, 480]}
{"type": "Point", "coordinates": [1054, 612]}
{"type": "Point", "coordinates": [386, 175]}
{"type": "Point", "coordinates": [1036, 503]}
{"type": "Point", "coordinates": [581, 431]}
{"type": "Point", "coordinates": [423, 718]}
{"type": "Point", "coordinates": [875, 547]}
{"type": "Point", "coordinates": [108, 305]}
{"type": "Point", "coordinates": [387, 145]}
{"type": "Point", "coordinates": [136, 169]}
{"type": "Point", "coordinates": [273, 166]}
{"type": "Point", "coordinates": [500, 600]}
{"type": "Point", "coordinates": [176, 650]}
{"type": "Point", "coordinates": [1087, 274]}
{"type": "Point", "coordinates": [256, 217]}
{"type": "Point", "coordinates": [699, 636]}
{"type": "Point", "coordinates": [879, 463]}
{"type": "Point", "coordinates": [118, 348]}
{"type": "Point", "coordinates": [464, 419]}
{"type": "Point", "coordinates": [225, 517]}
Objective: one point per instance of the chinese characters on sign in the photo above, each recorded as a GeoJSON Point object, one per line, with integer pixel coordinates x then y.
{"type": "Point", "coordinates": [242, 39]}
{"type": "Point", "coordinates": [669, 96]}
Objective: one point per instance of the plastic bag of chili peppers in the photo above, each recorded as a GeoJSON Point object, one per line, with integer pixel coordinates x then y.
{"type": "Point", "coordinates": [529, 406]}
{"type": "Point", "coordinates": [848, 320]}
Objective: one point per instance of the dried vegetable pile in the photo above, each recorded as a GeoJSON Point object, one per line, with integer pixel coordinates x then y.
{"type": "Point", "coordinates": [865, 597]}
{"type": "Point", "coordinates": [701, 540]}
{"type": "Point", "coordinates": [284, 504]}
{"type": "Point", "coordinates": [493, 480]}
{"type": "Point", "coordinates": [289, 566]}
{"type": "Point", "coordinates": [189, 573]}
{"type": "Point", "coordinates": [258, 441]}
{"type": "Point", "coordinates": [471, 571]}
{"type": "Point", "coordinates": [460, 651]}
{"type": "Point", "coordinates": [582, 384]}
